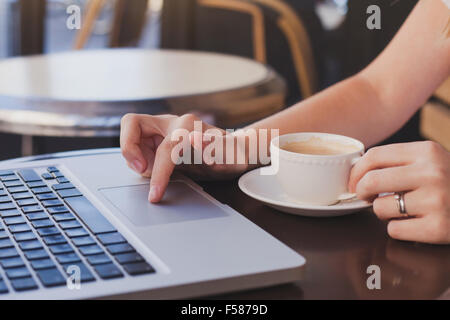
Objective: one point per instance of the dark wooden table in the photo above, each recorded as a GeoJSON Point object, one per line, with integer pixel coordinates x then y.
{"type": "Point", "coordinates": [338, 252]}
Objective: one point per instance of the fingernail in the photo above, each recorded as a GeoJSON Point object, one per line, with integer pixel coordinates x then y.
{"type": "Point", "coordinates": [137, 166]}
{"type": "Point", "coordinates": [154, 193]}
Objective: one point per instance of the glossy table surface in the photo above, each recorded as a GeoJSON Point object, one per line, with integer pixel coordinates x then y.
{"type": "Point", "coordinates": [338, 252]}
{"type": "Point", "coordinates": [85, 93]}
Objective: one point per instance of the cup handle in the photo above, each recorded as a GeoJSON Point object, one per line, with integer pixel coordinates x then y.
{"type": "Point", "coordinates": [349, 196]}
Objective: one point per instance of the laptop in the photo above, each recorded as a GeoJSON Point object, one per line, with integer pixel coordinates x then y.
{"type": "Point", "coordinates": [81, 228]}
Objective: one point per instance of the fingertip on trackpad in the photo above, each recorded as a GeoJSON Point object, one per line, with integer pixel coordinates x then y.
{"type": "Point", "coordinates": [180, 203]}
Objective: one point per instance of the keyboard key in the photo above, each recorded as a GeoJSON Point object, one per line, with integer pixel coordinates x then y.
{"type": "Point", "coordinates": [53, 210]}
{"type": "Point", "coordinates": [9, 178]}
{"type": "Point", "coordinates": [47, 176]}
{"type": "Point", "coordinates": [45, 223]}
{"type": "Point", "coordinates": [67, 258]}
{"type": "Point", "coordinates": [62, 180]}
{"type": "Point", "coordinates": [30, 209]}
{"type": "Point", "coordinates": [3, 287]}
{"type": "Point", "coordinates": [52, 169]}
{"type": "Point", "coordinates": [42, 264]}
{"type": "Point", "coordinates": [29, 175]}
{"type": "Point", "coordinates": [98, 259]}
{"type": "Point", "coordinates": [57, 239]}
{"type": "Point", "coordinates": [138, 268]}
{"type": "Point", "coordinates": [52, 203]}
{"type": "Point", "coordinates": [51, 277]}
{"type": "Point", "coordinates": [12, 262]}
{"type": "Point", "coordinates": [24, 236]}
{"type": "Point", "coordinates": [46, 196]}
{"type": "Point", "coordinates": [62, 186]}
{"type": "Point", "coordinates": [83, 241]}
{"type": "Point", "coordinates": [22, 195]}
{"type": "Point", "coordinates": [36, 184]}
{"type": "Point", "coordinates": [90, 250]}
{"type": "Point", "coordinates": [120, 248]}
{"type": "Point", "coordinates": [37, 216]}
{"type": "Point", "coordinates": [78, 232]}
{"type": "Point", "coordinates": [19, 228]}
{"type": "Point", "coordinates": [6, 243]}
{"type": "Point", "coordinates": [5, 199]}
{"type": "Point", "coordinates": [85, 274]}
{"type": "Point", "coordinates": [10, 213]}
{"type": "Point", "coordinates": [69, 193]}
{"type": "Point", "coordinates": [27, 202]}
{"type": "Point", "coordinates": [24, 284]}
{"type": "Point", "coordinates": [61, 248]}
{"type": "Point", "coordinates": [48, 231]}
{"type": "Point", "coordinates": [20, 272]}
{"type": "Point", "coordinates": [36, 254]}
{"type": "Point", "coordinates": [14, 183]}
{"type": "Point", "coordinates": [93, 218]}
{"type": "Point", "coordinates": [30, 245]}
{"type": "Point", "coordinates": [58, 174]}
{"type": "Point", "coordinates": [111, 238]}
{"type": "Point", "coordinates": [128, 257]}
{"type": "Point", "coordinates": [108, 271]}
{"type": "Point", "coordinates": [41, 190]}
{"type": "Point", "coordinates": [69, 224]}
{"type": "Point", "coordinates": [7, 206]}
{"type": "Point", "coordinates": [63, 217]}
{"type": "Point", "coordinates": [8, 253]}
{"type": "Point", "coordinates": [14, 220]}
{"type": "Point", "coordinates": [6, 173]}
{"type": "Point", "coordinates": [18, 189]}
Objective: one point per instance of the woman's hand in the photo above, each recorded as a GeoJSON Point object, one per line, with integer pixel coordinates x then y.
{"type": "Point", "coordinates": [422, 171]}
{"type": "Point", "coordinates": [147, 144]}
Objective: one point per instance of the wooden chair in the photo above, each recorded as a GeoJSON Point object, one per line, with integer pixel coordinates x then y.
{"type": "Point", "coordinates": [268, 31]}
{"type": "Point", "coordinates": [129, 20]}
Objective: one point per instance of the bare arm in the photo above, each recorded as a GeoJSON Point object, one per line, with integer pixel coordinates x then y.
{"type": "Point", "coordinates": [379, 100]}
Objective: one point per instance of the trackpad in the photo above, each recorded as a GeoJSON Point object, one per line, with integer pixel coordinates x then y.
{"type": "Point", "coordinates": [181, 203]}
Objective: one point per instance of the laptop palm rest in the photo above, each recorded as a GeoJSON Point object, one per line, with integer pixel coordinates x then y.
{"type": "Point", "coordinates": [180, 203]}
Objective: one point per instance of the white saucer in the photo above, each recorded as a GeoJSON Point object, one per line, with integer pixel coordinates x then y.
{"type": "Point", "coordinates": [265, 188]}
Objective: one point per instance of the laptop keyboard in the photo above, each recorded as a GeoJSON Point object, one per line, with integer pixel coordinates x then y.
{"type": "Point", "coordinates": [47, 226]}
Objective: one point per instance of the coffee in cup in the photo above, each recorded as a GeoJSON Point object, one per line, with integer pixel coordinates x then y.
{"type": "Point", "coordinates": [314, 168]}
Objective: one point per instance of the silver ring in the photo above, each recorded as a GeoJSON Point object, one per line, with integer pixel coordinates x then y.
{"type": "Point", "coordinates": [399, 196]}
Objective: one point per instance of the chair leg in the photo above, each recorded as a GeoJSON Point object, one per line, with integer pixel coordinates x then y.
{"type": "Point", "coordinates": [93, 9]}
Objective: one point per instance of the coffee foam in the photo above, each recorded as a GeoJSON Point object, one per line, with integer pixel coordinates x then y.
{"type": "Point", "coordinates": [319, 146]}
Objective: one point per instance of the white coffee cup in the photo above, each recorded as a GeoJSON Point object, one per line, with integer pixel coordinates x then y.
{"type": "Point", "coordinates": [314, 179]}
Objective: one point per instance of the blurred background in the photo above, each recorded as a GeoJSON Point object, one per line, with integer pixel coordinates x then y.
{"type": "Point", "coordinates": [309, 44]}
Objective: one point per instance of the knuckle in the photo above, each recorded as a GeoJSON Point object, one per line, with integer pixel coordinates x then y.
{"type": "Point", "coordinates": [378, 206]}
{"type": "Point", "coordinates": [371, 154]}
{"type": "Point", "coordinates": [392, 230]}
{"type": "Point", "coordinates": [188, 118]}
{"type": "Point", "coordinates": [438, 174]}
{"type": "Point", "coordinates": [368, 183]}
{"type": "Point", "coordinates": [440, 229]}
{"type": "Point", "coordinates": [440, 200]}
{"type": "Point", "coordinates": [129, 118]}
{"type": "Point", "coordinates": [432, 148]}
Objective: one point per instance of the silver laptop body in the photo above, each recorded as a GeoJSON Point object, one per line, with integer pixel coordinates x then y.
{"type": "Point", "coordinates": [190, 245]}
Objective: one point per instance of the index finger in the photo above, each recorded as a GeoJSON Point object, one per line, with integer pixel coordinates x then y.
{"type": "Point", "coordinates": [130, 139]}
{"type": "Point", "coordinates": [162, 170]}
{"type": "Point", "coordinates": [382, 157]}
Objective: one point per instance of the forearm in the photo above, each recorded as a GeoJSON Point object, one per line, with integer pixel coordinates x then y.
{"type": "Point", "coordinates": [352, 108]}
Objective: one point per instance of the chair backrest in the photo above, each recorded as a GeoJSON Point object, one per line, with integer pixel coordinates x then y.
{"type": "Point", "coordinates": [268, 31]}
{"type": "Point", "coordinates": [129, 20]}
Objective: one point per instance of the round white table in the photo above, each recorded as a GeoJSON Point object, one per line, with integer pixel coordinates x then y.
{"type": "Point", "coordinates": [85, 93]}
